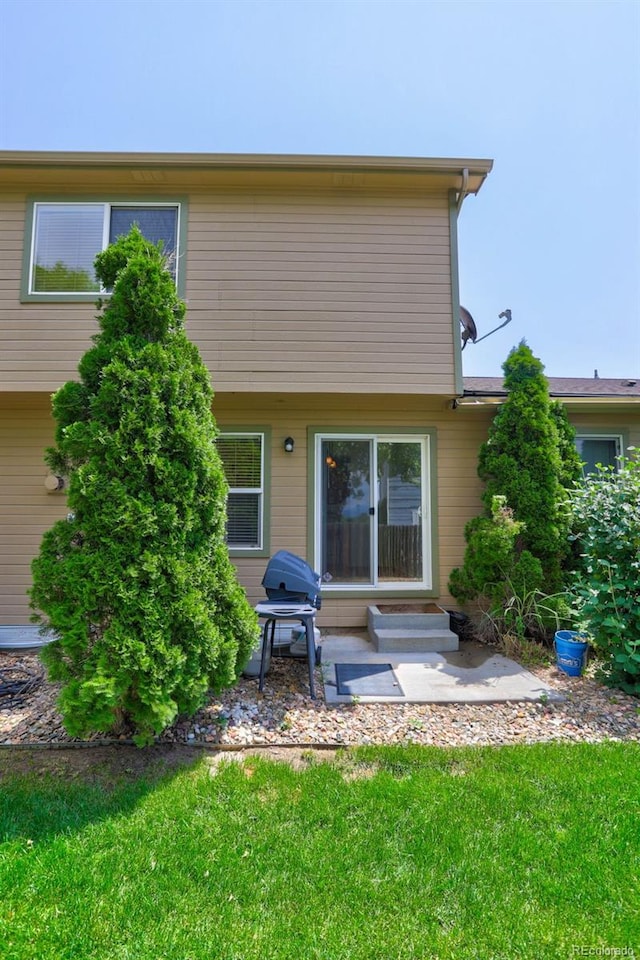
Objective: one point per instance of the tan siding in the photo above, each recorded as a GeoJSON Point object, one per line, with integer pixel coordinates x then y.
{"type": "Point", "coordinates": [614, 423]}
{"type": "Point", "coordinates": [381, 317]}
{"type": "Point", "coordinates": [458, 487]}
{"type": "Point", "coordinates": [332, 290]}
{"type": "Point", "coordinates": [26, 509]}
{"type": "Point", "coordinates": [41, 344]}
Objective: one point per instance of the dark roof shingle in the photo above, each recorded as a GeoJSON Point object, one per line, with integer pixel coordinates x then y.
{"type": "Point", "coordinates": [561, 386]}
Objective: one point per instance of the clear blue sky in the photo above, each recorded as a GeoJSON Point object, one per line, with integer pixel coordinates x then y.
{"type": "Point", "coordinates": [550, 91]}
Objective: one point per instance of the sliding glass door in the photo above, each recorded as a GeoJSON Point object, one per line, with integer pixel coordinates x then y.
{"type": "Point", "coordinates": [372, 515]}
{"type": "Point", "coordinates": [345, 510]}
{"type": "Point", "coordinates": [400, 511]}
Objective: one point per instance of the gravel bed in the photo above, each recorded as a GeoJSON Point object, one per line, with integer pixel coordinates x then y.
{"type": "Point", "coordinates": [284, 714]}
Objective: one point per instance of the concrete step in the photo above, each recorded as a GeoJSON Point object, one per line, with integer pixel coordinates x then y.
{"type": "Point", "coordinates": [398, 640]}
{"type": "Point", "coordinates": [380, 618]}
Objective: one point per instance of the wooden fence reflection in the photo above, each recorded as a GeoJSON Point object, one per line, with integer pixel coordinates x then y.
{"type": "Point", "coordinates": [348, 551]}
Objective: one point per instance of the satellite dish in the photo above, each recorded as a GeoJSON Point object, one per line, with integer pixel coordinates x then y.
{"type": "Point", "coordinates": [469, 329]}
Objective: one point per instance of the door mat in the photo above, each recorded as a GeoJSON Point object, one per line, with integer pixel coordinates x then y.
{"type": "Point", "coordinates": [367, 680]}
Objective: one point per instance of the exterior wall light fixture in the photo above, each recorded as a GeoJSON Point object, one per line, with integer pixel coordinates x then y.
{"type": "Point", "coordinates": [53, 483]}
{"type": "Point", "coordinates": [289, 445]}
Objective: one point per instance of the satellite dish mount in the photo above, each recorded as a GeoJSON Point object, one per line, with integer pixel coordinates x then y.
{"type": "Point", "coordinates": [469, 329]}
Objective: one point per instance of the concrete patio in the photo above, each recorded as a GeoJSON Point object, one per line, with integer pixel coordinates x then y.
{"type": "Point", "coordinates": [472, 674]}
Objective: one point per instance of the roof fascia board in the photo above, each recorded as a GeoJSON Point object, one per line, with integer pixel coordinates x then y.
{"type": "Point", "coordinates": [231, 160]}
{"type": "Point", "coordinates": [413, 172]}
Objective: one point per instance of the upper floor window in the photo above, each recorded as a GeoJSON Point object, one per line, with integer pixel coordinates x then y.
{"type": "Point", "coordinates": [67, 236]}
{"type": "Point", "coordinates": [242, 456]}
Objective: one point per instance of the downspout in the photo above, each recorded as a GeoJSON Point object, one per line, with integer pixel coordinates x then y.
{"type": "Point", "coordinates": [463, 189]}
{"type": "Point", "coordinates": [456, 199]}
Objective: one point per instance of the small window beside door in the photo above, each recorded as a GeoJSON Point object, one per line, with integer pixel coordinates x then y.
{"type": "Point", "coordinates": [242, 457]}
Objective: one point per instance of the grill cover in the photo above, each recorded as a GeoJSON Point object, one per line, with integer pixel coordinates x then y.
{"type": "Point", "coordinates": [290, 578]}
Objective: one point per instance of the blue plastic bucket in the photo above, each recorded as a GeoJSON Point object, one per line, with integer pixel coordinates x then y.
{"type": "Point", "coordinates": [571, 652]}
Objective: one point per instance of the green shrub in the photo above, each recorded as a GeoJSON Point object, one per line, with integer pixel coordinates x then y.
{"type": "Point", "coordinates": [490, 555]}
{"type": "Point", "coordinates": [529, 458]}
{"type": "Point", "coordinates": [515, 554]}
{"type": "Point", "coordinates": [137, 583]}
{"type": "Point", "coordinates": [570, 463]}
{"type": "Point", "coordinates": [606, 521]}
{"type": "Point", "coordinates": [525, 614]}
{"type": "Point", "coordinates": [505, 582]}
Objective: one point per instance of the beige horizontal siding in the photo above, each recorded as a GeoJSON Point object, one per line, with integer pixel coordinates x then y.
{"type": "Point", "coordinates": [26, 510]}
{"type": "Point", "coordinates": [625, 424]}
{"type": "Point", "coordinates": [329, 291]}
{"type": "Point", "coordinates": [458, 488]}
{"type": "Point", "coordinates": [298, 333]}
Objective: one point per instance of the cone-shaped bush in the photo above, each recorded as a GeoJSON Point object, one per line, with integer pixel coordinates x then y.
{"type": "Point", "coordinates": [516, 552]}
{"type": "Point", "coordinates": [137, 583]}
{"type": "Point", "coordinates": [530, 460]}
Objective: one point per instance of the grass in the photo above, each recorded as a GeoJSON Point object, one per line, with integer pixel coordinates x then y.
{"type": "Point", "coordinates": [528, 652]}
{"type": "Point", "coordinates": [384, 853]}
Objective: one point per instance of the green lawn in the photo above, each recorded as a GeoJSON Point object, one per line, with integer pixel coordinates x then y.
{"type": "Point", "coordinates": [385, 853]}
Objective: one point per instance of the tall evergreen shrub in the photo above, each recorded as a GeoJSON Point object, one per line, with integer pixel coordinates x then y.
{"type": "Point", "coordinates": [528, 463]}
{"type": "Point", "coordinates": [570, 463]}
{"type": "Point", "coordinates": [527, 459]}
{"type": "Point", "coordinates": [137, 583]}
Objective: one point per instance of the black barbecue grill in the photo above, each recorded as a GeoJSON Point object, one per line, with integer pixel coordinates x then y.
{"type": "Point", "coordinates": [293, 591]}
{"type": "Point", "coordinates": [290, 579]}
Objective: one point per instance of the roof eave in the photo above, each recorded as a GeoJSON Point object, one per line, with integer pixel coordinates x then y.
{"type": "Point", "coordinates": [252, 160]}
{"type": "Point", "coordinates": [459, 173]}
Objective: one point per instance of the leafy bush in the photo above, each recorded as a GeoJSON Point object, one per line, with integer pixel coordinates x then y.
{"type": "Point", "coordinates": [606, 520]}
{"type": "Point", "coordinates": [137, 583]}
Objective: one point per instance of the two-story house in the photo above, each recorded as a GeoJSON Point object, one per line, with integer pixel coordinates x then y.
{"type": "Point", "coordinates": [323, 295]}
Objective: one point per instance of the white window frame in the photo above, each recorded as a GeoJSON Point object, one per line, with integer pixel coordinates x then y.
{"type": "Point", "coordinates": [260, 491]}
{"type": "Point", "coordinates": [425, 440]}
{"type": "Point", "coordinates": [107, 206]}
